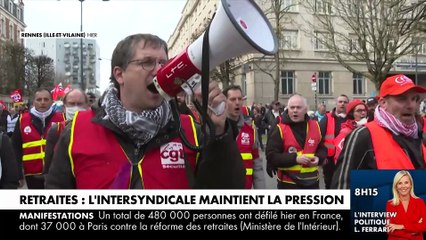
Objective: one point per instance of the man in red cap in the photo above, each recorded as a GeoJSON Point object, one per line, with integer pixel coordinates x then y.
{"type": "Point", "coordinates": [392, 140]}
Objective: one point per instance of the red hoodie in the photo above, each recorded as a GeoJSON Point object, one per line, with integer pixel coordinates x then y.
{"type": "Point", "coordinates": [339, 141]}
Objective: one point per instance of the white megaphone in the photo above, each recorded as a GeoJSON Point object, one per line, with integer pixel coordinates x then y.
{"type": "Point", "coordinates": [239, 27]}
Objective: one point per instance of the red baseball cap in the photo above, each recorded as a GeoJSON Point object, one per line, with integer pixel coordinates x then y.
{"type": "Point", "coordinates": [399, 84]}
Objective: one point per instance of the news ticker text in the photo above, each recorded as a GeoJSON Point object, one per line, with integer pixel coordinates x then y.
{"type": "Point", "coordinates": [331, 222]}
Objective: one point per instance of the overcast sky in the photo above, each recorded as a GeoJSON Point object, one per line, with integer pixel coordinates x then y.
{"type": "Point", "coordinates": [112, 20]}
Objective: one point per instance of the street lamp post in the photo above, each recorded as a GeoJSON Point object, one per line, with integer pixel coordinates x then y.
{"type": "Point", "coordinates": [83, 85]}
{"type": "Point", "coordinates": [83, 82]}
{"type": "Point", "coordinates": [416, 70]}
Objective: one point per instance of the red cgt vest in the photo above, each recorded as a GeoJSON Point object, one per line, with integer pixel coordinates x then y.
{"type": "Point", "coordinates": [329, 135]}
{"type": "Point", "coordinates": [33, 144]}
{"type": "Point", "coordinates": [389, 155]}
{"type": "Point", "coordinates": [313, 138]}
{"type": "Point", "coordinates": [245, 141]}
{"type": "Point", "coordinates": [99, 162]}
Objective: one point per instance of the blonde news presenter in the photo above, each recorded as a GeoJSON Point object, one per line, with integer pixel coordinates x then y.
{"type": "Point", "coordinates": [406, 211]}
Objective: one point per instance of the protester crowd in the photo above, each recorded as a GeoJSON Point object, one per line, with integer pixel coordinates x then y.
{"type": "Point", "coordinates": [131, 137]}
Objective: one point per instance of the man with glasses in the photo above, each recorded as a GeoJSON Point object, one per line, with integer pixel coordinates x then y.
{"type": "Point", "coordinates": [330, 128]}
{"type": "Point", "coordinates": [392, 140]}
{"type": "Point", "coordinates": [131, 140]}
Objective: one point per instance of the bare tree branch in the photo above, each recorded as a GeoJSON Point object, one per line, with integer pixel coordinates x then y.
{"type": "Point", "coordinates": [375, 32]}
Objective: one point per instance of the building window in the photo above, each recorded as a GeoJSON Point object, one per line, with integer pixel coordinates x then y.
{"type": "Point", "coordinates": [321, 39]}
{"type": "Point", "coordinates": [4, 27]}
{"type": "Point", "coordinates": [354, 43]}
{"type": "Point", "coordinates": [358, 82]}
{"type": "Point", "coordinates": [244, 84]}
{"type": "Point", "coordinates": [287, 82]}
{"type": "Point", "coordinates": [289, 6]}
{"type": "Point", "coordinates": [421, 49]}
{"type": "Point", "coordinates": [323, 7]}
{"type": "Point", "coordinates": [11, 32]}
{"type": "Point", "coordinates": [290, 40]}
{"type": "Point", "coordinates": [324, 83]}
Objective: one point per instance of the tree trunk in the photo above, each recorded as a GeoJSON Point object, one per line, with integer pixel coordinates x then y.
{"type": "Point", "coordinates": [277, 76]}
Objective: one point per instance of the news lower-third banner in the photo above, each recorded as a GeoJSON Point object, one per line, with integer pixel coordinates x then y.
{"type": "Point", "coordinates": [356, 213]}
{"type": "Point", "coordinates": [179, 211]}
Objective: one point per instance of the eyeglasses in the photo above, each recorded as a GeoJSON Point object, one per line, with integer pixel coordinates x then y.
{"type": "Point", "coordinates": [148, 64]}
{"type": "Point", "coordinates": [361, 110]}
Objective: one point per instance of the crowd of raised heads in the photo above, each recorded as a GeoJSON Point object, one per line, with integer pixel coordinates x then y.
{"type": "Point", "coordinates": [131, 122]}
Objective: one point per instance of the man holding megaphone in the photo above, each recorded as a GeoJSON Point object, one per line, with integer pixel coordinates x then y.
{"type": "Point", "coordinates": [130, 139]}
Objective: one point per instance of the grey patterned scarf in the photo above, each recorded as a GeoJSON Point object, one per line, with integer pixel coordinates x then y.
{"type": "Point", "coordinates": [140, 127]}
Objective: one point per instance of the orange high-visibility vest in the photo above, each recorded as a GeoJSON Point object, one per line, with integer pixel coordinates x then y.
{"type": "Point", "coordinates": [99, 162]}
{"type": "Point", "coordinates": [313, 138]}
{"type": "Point", "coordinates": [389, 154]}
{"type": "Point", "coordinates": [329, 135]}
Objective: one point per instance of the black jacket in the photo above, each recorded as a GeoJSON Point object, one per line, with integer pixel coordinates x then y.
{"type": "Point", "coordinates": [358, 153]}
{"type": "Point", "coordinates": [220, 164]}
{"type": "Point", "coordinates": [9, 165]}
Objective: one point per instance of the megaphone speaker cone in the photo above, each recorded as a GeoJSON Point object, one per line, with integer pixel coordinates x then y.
{"type": "Point", "coordinates": [239, 27]}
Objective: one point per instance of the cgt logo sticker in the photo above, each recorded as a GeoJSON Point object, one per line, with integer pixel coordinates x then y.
{"type": "Point", "coordinates": [172, 154]}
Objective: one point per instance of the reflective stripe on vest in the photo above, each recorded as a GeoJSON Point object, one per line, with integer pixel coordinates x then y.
{"type": "Point", "coordinates": [388, 153]}
{"type": "Point", "coordinates": [329, 135]}
{"type": "Point", "coordinates": [313, 133]}
{"type": "Point", "coordinates": [247, 157]}
{"type": "Point", "coordinates": [34, 143]}
{"type": "Point", "coordinates": [34, 156]}
{"type": "Point", "coordinates": [299, 167]}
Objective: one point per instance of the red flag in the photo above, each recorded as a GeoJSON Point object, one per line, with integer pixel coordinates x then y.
{"type": "Point", "coordinates": [2, 105]}
{"type": "Point", "coordinates": [55, 92]}
{"type": "Point", "coordinates": [16, 95]}
{"type": "Point", "coordinates": [67, 89]}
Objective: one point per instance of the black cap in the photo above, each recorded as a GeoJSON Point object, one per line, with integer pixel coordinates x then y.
{"type": "Point", "coordinates": [91, 95]}
{"type": "Point", "coordinates": [371, 101]}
